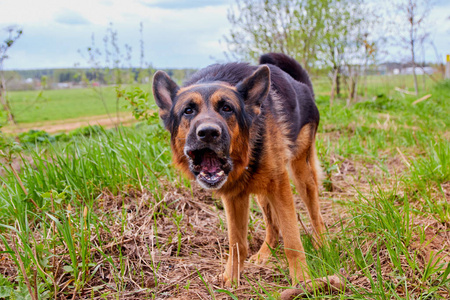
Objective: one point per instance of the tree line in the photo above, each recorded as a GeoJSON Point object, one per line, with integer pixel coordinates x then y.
{"type": "Point", "coordinates": [342, 36]}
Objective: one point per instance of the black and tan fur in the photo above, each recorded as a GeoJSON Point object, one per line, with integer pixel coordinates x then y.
{"type": "Point", "coordinates": [241, 130]}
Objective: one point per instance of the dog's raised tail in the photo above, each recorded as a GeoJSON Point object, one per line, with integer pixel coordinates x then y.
{"type": "Point", "coordinates": [289, 65]}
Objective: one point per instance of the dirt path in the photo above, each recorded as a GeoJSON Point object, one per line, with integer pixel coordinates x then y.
{"type": "Point", "coordinates": [72, 124]}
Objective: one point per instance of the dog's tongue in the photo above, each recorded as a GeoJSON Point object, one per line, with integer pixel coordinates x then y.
{"type": "Point", "coordinates": [210, 163]}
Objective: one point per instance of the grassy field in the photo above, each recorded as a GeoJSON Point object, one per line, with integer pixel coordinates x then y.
{"type": "Point", "coordinates": [52, 105]}
{"type": "Point", "coordinates": [106, 216]}
{"type": "Point", "coordinates": [56, 105]}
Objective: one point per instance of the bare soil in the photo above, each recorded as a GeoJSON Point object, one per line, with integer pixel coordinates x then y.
{"type": "Point", "coordinates": [72, 124]}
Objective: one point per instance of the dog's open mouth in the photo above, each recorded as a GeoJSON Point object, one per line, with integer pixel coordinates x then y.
{"type": "Point", "coordinates": [210, 169]}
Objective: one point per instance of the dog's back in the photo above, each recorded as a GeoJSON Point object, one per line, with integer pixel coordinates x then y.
{"type": "Point", "coordinates": [289, 65]}
{"type": "Point", "coordinates": [293, 91]}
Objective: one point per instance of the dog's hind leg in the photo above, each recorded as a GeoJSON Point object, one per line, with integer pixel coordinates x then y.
{"type": "Point", "coordinates": [305, 172]}
{"type": "Point", "coordinates": [272, 230]}
{"type": "Point", "coordinates": [237, 213]}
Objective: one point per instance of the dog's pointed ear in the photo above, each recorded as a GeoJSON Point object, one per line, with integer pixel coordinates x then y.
{"type": "Point", "coordinates": [255, 88]}
{"type": "Point", "coordinates": [164, 91]}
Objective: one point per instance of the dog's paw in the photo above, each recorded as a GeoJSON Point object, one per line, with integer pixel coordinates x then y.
{"type": "Point", "coordinates": [228, 282]}
{"type": "Point", "coordinates": [260, 258]}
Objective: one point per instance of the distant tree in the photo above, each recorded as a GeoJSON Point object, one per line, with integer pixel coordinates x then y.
{"type": "Point", "coordinates": [318, 33]}
{"type": "Point", "coordinates": [412, 26]}
{"type": "Point", "coordinates": [347, 43]}
{"type": "Point", "coordinates": [292, 27]}
{"type": "Point", "coordinates": [14, 33]}
{"type": "Point", "coordinates": [66, 75]}
{"type": "Point", "coordinates": [339, 23]}
{"type": "Point", "coordinates": [179, 75]}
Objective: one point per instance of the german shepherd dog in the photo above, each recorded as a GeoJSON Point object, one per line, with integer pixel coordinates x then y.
{"type": "Point", "coordinates": [239, 130]}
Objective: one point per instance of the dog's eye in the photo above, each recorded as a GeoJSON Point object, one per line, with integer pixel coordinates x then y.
{"type": "Point", "coordinates": [226, 108]}
{"type": "Point", "coordinates": [188, 111]}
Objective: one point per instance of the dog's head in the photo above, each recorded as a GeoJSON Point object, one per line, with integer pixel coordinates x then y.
{"type": "Point", "coordinates": [210, 123]}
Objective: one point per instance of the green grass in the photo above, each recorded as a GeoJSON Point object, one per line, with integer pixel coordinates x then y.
{"type": "Point", "coordinates": [52, 105]}
{"type": "Point", "coordinates": [107, 217]}
{"type": "Point", "coordinates": [61, 184]}
{"type": "Point", "coordinates": [374, 85]}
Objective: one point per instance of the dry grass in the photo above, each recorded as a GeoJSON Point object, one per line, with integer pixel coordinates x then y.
{"type": "Point", "coordinates": [143, 254]}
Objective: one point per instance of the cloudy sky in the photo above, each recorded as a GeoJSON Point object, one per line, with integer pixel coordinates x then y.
{"type": "Point", "coordinates": [177, 33]}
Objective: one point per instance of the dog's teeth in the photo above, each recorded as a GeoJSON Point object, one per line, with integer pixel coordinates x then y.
{"type": "Point", "coordinates": [220, 173]}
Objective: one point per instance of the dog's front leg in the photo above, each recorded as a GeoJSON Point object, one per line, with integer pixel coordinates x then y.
{"type": "Point", "coordinates": [237, 210]}
{"type": "Point", "coordinates": [283, 203]}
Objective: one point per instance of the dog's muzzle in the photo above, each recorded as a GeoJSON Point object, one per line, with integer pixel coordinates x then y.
{"type": "Point", "coordinates": [207, 149]}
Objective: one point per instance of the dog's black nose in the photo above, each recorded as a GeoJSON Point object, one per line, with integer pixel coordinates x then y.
{"type": "Point", "coordinates": [208, 132]}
